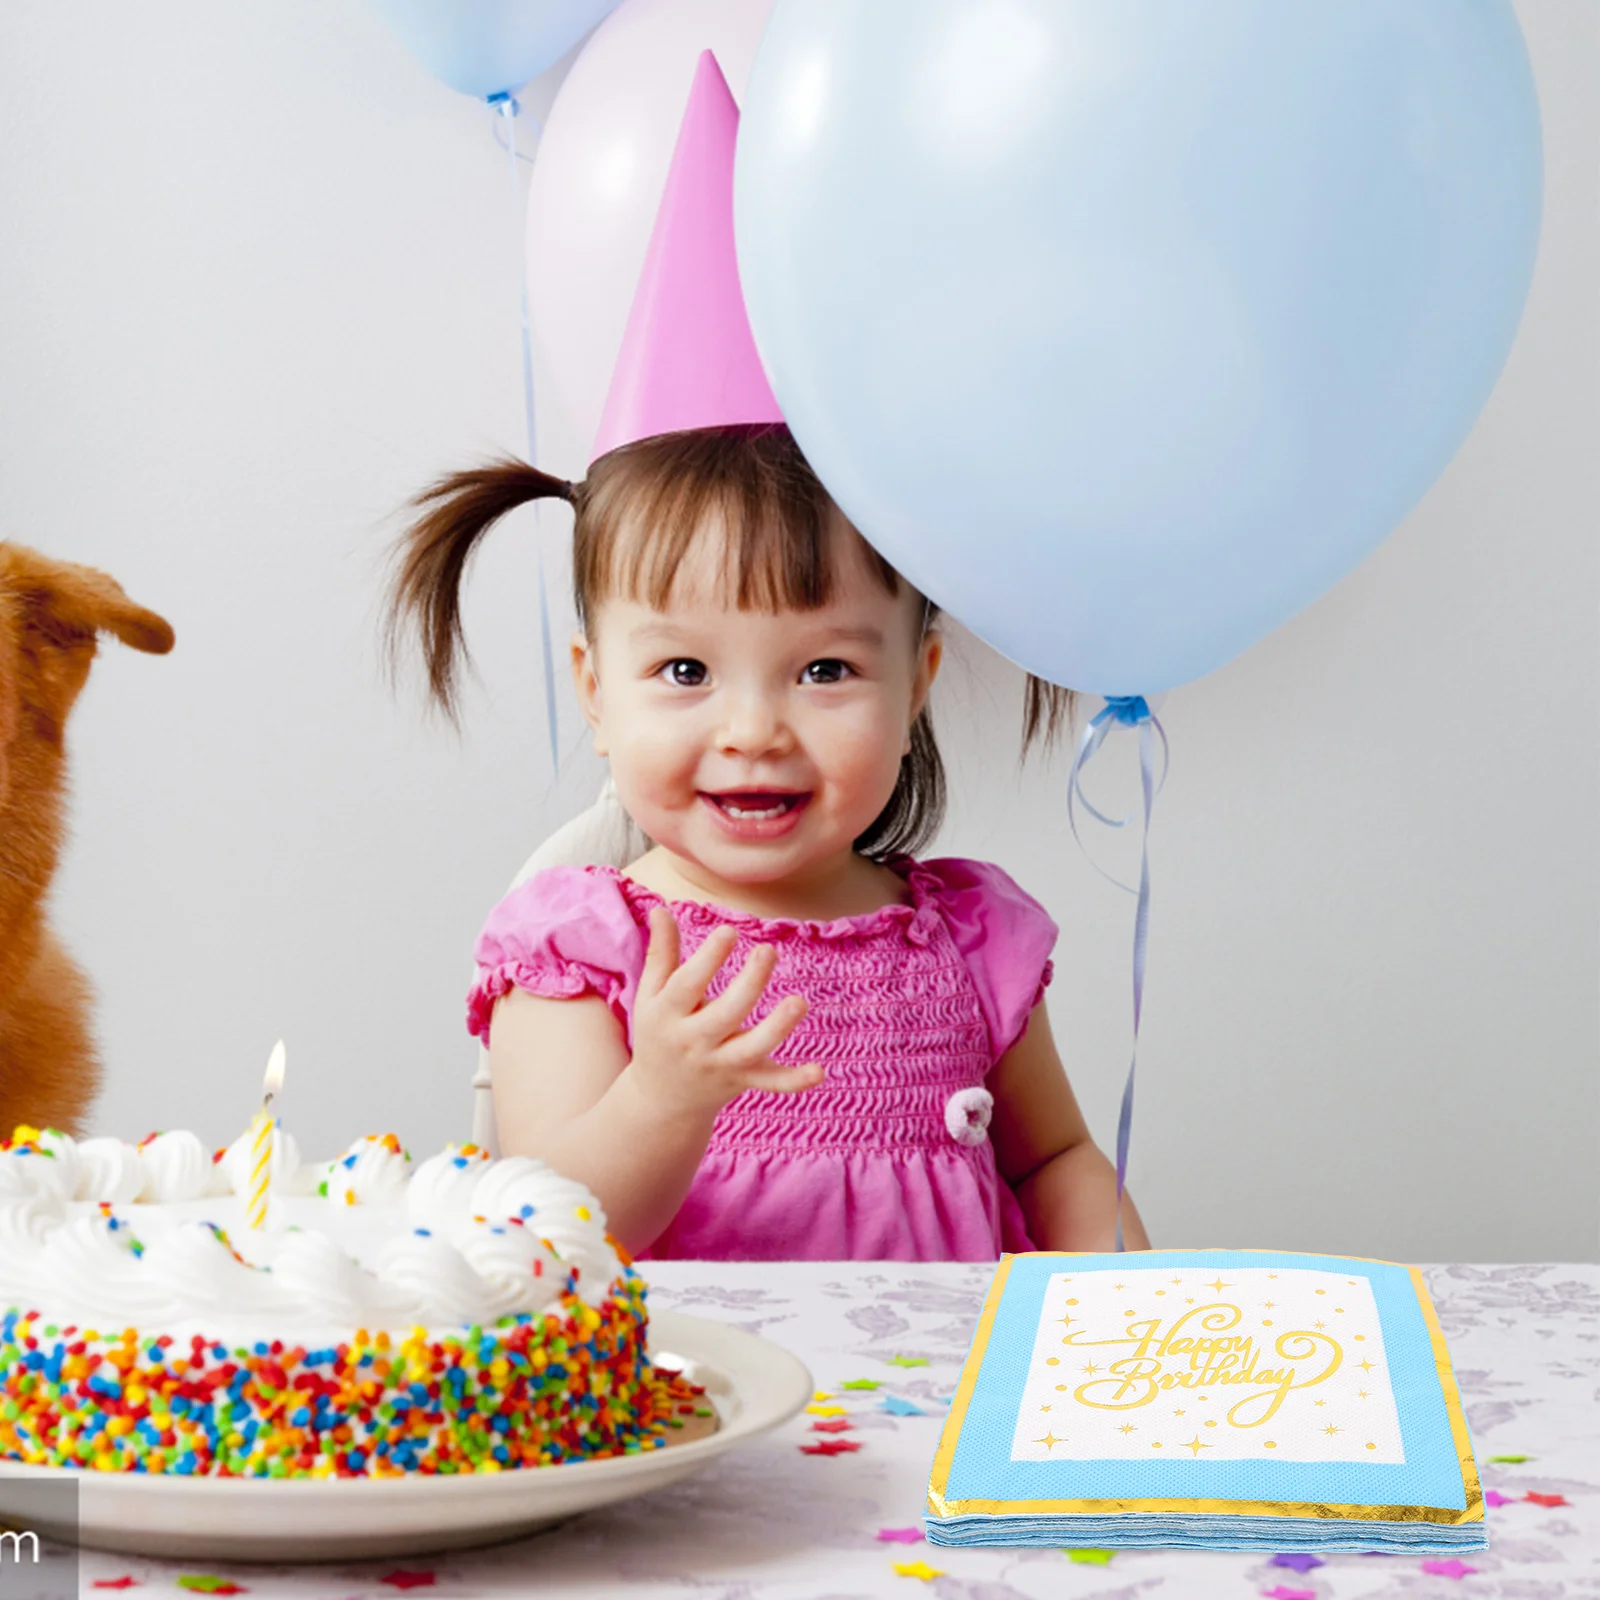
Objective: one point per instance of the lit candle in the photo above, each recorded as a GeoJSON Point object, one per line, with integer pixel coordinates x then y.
{"type": "Point", "coordinates": [263, 1139]}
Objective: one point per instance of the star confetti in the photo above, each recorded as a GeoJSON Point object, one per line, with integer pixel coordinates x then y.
{"type": "Point", "coordinates": [824, 1411]}
{"type": "Point", "coordinates": [1548, 1499]}
{"type": "Point", "coordinates": [1511, 1461]}
{"type": "Point", "coordinates": [1300, 1561]}
{"type": "Point", "coordinates": [907, 1361]}
{"type": "Point", "coordinates": [918, 1569]}
{"type": "Point", "coordinates": [400, 1578]}
{"type": "Point", "coordinates": [900, 1535]}
{"type": "Point", "coordinates": [896, 1407]}
{"type": "Point", "coordinates": [822, 1394]}
{"type": "Point", "coordinates": [209, 1583]}
{"type": "Point", "coordinates": [830, 1447]}
{"type": "Point", "coordinates": [861, 1383]}
{"type": "Point", "coordinates": [1448, 1569]}
{"type": "Point", "coordinates": [1091, 1558]}
{"type": "Point", "coordinates": [832, 1425]}
{"type": "Point", "coordinates": [126, 1581]}
{"type": "Point", "coordinates": [1493, 1497]}
{"type": "Point", "coordinates": [1283, 1592]}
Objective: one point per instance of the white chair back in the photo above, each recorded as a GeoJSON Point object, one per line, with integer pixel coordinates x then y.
{"type": "Point", "coordinates": [603, 836]}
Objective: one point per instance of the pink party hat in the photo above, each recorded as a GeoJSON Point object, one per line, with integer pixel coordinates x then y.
{"type": "Point", "coordinates": [688, 357]}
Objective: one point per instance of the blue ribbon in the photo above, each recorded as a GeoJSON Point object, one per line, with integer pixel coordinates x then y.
{"type": "Point", "coordinates": [505, 106]}
{"type": "Point", "coordinates": [1124, 711]}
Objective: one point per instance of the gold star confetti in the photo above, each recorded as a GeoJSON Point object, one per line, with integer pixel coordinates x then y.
{"type": "Point", "coordinates": [1361, 1394]}
{"type": "Point", "coordinates": [1049, 1441]}
{"type": "Point", "coordinates": [1267, 1305]}
{"type": "Point", "coordinates": [1322, 1402]}
{"type": "Point", "coordinates": [1044, 1408]}
{"type": "Point", "coordinates": [1091, 1368]}
{"type": "Point", "coordinates": [1330, 1429]}
{"type": "Point", "coordinates": [1065, 1320]}
{"type": "Point", "coordinates": [1177, 1280]}
{"type": "Point", "coordinates": [1366, 1366]}
{"type": "Point", "coordinates": [918, 1569]}
{"type": "Point", "coordinates": [1219, 1285]}
{"type": "Point", "coordinates": [1177, 1413]}
{"type": "Point", "coordinates": [1127, 1427]}
{"type": "Point", "coordinates": [1196, 1445]}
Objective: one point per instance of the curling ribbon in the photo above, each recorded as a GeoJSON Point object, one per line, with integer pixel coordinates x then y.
{"type": "Point", "coordinates": [1126, 711]}
{"type": "Point", "coordinates": [506, 106]}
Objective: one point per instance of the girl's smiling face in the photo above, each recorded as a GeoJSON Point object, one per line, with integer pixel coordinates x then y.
{"type": "Point", "coordinates": [757, 745]}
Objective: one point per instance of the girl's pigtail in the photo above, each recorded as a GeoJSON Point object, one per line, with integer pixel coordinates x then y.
{"type": "Point", "coordinates": [431, 557]}
{"type": "Point", "coordinates": [1048, 711]}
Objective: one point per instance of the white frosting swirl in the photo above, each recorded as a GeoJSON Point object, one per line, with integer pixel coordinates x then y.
{"type": "Point", "coordinates": [513, 1261]}
{"type": "Point", "coordinates": [439, 1281]}
{"type": "Point", "coordinates": [372, 1172]}
{"type": "Point", "coordinates": [108, 1169]}
{"type": "Point", "coordinates": [441, 1189]}
{"type": "Point", "coordinates": [238, 1161]}
{"type": "Point", "coordinates": [176, 1167]}
{"type": "Point", "coordinates": [46, 1171]}
{"type": "Point", "coordinates": [321, 1279]}
{"type": "Point", "coordinates": [197, 1266]}
{"type": "Point", "coordinates": [553, 1208]}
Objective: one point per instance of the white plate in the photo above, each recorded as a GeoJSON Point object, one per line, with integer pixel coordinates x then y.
{"type": "Point", "coordinates": [753, 1384]}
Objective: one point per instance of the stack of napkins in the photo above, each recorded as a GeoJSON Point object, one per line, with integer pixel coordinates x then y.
{"type": "Point", "coordinates": [1207, 1399]}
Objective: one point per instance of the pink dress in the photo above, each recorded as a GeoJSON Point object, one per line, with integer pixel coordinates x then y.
{"type": "Point", "coordinates": [910, 1007]}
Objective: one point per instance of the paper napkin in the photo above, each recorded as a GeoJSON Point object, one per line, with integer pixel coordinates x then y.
{"type": "Point", "coordinates": [1209, 1399]}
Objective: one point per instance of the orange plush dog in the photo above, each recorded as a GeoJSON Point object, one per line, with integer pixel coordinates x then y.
{"type": "Point", "coordinates": [51, 613]}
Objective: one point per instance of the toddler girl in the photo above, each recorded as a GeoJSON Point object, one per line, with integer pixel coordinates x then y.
{"type": "Point", "coordinates": [777, 1034]}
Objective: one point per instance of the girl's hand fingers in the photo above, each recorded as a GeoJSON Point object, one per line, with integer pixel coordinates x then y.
{"type": "Point", "coordinates": [738, 1000]}
{"type": "Point", "coordinates": [756, 1044]}
{"type": "Point", "coordinates": [784, 1080]}
{"type": "Point", "coordinates": [686, 988]}
{"type": "Point", "coordinates": [661, 955]}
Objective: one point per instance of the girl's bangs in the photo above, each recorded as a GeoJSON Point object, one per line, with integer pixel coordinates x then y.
{"type": "Point", "coordinates": [651, 507]}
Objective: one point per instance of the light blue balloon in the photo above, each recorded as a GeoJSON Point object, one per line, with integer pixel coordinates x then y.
{"type": "Point", "coordinates": [487, 47]}
{"type": "Point", "coordinates": [1124, 328]}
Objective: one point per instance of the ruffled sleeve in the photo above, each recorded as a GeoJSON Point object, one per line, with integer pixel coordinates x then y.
{"type": "Point", "coordinates": [1005, 935]}
{"type": "Point", "coordinates": [566, 932]}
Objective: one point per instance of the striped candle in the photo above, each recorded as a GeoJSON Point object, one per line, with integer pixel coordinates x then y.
{"type": "Point", "coordinates": [263, 1138]}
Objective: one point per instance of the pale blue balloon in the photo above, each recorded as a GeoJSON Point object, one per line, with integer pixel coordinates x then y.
{"type": "Point", "coordinates": [1124, 328]}
{"type": "Point", "coordinates": [488, 47]}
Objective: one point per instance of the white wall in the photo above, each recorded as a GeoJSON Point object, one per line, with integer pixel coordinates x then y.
{"type": "Point", "coordinates": [256, 286]}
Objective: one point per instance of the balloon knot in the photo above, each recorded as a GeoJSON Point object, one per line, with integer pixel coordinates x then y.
{"type": "Point", "coordinates": [1128, 709]}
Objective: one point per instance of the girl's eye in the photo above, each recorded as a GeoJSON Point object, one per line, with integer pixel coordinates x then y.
{"type": "Point", "coordinates": [828, 671]}
{"type": "Point", "coordinates": [685, 673]}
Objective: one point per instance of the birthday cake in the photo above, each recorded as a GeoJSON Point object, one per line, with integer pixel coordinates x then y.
{"type": "Point", "coordinates": [460, 1314]}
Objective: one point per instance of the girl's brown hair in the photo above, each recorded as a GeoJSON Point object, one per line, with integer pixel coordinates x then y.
{"type": "Point", "coordinates": [637, 514]}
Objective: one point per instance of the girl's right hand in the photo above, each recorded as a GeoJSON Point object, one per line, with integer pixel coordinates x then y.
{"type": "Point", "coordinates": [690, 1053]}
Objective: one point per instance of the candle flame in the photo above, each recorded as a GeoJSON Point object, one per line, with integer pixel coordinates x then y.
{"type": "Point", "coordinates": [273, 1081]}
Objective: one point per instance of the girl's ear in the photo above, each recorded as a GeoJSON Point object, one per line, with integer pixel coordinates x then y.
{"type": "Point", "coordinates": [586, 680]}
{"type": "Point", "coordinates": [930, 655]}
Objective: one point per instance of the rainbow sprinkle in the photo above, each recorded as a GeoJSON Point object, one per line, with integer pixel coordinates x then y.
{"type": "Point", "coordinates": [564, 1385]}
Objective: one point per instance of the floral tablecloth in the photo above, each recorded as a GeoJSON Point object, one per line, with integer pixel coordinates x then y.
{"type": "Point", "coordinates": [781, 1519]}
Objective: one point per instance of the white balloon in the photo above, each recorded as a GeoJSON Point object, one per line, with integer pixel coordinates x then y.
{"type": "Point", "coordinates": [601, 167]}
